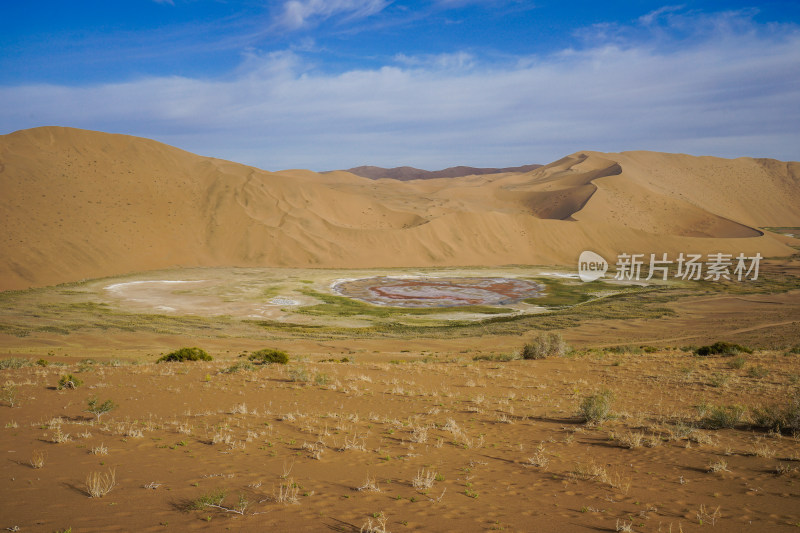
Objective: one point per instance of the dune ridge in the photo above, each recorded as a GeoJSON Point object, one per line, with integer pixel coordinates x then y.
{"type": "Point", "coordinates": [79, 204]}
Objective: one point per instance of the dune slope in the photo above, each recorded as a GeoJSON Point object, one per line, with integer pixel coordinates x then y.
{"type": "Point", "coordinates": [78, 204]}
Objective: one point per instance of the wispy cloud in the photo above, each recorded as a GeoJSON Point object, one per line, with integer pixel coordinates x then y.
{"type": "Point", "coordinates": [649, 18]}
{"type": "Point", "coordinates": [733, 92]}
{"type": "Point", "coordinates": [296, 14]}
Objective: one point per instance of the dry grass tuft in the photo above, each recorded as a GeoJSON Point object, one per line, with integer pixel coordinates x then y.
{"type": "Point", "coordinates": [423, 480]}
{"type": "Point", "coordinates": [37, 459]}
{"type": "Point", "coordinates": [99, 484]}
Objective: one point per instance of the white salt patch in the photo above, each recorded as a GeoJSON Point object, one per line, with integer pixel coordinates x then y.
{"type": "Point", "coordinates": [283, 301]}
{"type": "Point", "coordinates": [118, 287]}
{"type": "Point", "coordinates": [560, 275]}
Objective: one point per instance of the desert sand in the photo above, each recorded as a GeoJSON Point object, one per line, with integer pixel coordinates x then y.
{"type": "Point", "coordinates": [78, 204]}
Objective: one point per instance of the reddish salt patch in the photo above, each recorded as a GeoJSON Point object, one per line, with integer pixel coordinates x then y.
{"type": "Point", "coordinates": [438, 292]}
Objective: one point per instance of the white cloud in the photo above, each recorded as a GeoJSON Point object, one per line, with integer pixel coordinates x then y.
{"type": "Point", "coordinates": [459, 61]}
{"type": "Point", "coordinates": [654, 15]}
{"type": "Point", "coordinates": [297, 14]}
{"type": "Point", "coordinates": [735, 93]}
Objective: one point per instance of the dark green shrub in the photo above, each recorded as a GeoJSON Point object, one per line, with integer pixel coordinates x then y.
{"type": "Point", "coordinates": [722, 348]}
{"type": "Point", "coordinates": [42, 362]}
{"type": "Point", "coordinates": [597, 407]}
{"type": "Point", "coordinates": [545, 345]}
{"type": "Point", "coordinates": [269, 356]}
{"type": "Point", "coordinates": [68, 381]}
{"type": "Point", "coordinates": [185, 354]}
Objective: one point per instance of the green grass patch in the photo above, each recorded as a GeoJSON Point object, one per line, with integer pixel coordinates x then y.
{"type": "Point", "coordinates": [185, 354]}
{"type": "Point", "coordinates": [560, 294]}
{"type": "Point", "coordinates": [334, 305]}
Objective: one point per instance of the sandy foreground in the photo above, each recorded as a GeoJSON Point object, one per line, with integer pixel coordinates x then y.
{"type": "Point", "coordinates": [428, 443]}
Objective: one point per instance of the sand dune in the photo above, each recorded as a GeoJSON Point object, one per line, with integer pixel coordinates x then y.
{"type": "Point", "coordinates": [78, 204]}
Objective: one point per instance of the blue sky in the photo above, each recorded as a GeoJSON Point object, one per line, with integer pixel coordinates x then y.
{"type": "Point", "coordinates": [326, 84]}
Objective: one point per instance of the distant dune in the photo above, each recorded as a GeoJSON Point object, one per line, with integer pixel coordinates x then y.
{"type": "Point", "coordinates": [77, 204]}
{"type": "Point", "coordinates": [411, 173]}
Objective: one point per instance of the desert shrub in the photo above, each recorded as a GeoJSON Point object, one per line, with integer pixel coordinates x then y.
{"type": "Point", "coordinates": [68, 381]}
{"type": "Point", "coordinates": [299, 374]}
{"type": "Point", "coordinates": [99, 409]}
{"type": "Point", "coordinates": [269, 356]}
{"type": "Point", "coordinates": [14, 362]}
{"type": "Point", "coordinates": [322, 379]}
{"type": "Point", "coordinates": [757, 372]}
{"type": "Point", "coordinates": [185, 354]}
{"type": "Point", "coordinates": [722, 348]}
{"type": "Point", "coordinates": [43, 362]}
{"type": "Point", "coordinates": [545, 345]}
{"type": "Point", "coordinates": [779, 417]}
{"type": "Point", "coordinates": [722, 416]}
{"type": "Point", "coordinates": [649, 349]}
{"type": "Point", "coordinates": [597, 407]}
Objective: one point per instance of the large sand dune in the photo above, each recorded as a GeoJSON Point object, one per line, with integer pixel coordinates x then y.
{"type": "Point", "coordinates": [78, 204]}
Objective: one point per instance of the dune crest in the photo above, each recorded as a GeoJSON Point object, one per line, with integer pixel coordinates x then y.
{"type": "Point", "coordinates": [79, 204]}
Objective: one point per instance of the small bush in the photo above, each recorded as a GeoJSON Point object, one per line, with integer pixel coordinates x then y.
{"type": "Point", "coordinates": [757, 372]}
{"type": "Point", "coordinates": [299, 374]}
{"type": "Point", "coordinates": [269, 356]}
{"type": "Point", "coordinates": [722, 416]}
{"type": "Point", "coordinates": [722, 348]}
{"type": "Point", "coordinates": [99, 410]}
{"type": "Point", "coordinates": [545, 345]}
{"type": "Point", "coordinates": [185, 354]}
{"type": "Point", "coordinates": [777, 417]}
{"type": "Point", "coordinates": [68, 381]}
{"type": "Point", "coordinates": [43, 362]}
{"type": "Point", "coordinates": [596, 408]}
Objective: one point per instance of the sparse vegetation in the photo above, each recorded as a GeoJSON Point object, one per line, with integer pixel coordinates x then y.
{"type": "Point", "coordinates": [269, 356]}
{"type": "Point", "coordinates": [185, 354]}
{"type": "Point", "coordinates": [98, 484]}
{"type": "Point", "coordinates": [783, 417]}
{"type": "Point", "coordinates": [722, 348]}
{"type": "Point", "coordinates": [721, 416]}
{"type": "Point", "coordinates": [8, 394]}
{"type": "Point", "coordinates": [546, 344]}
{"type": "Point", "coordinates": [99, 409]}
{"type": "Point", "coordinates": [596, 408]}
{"type": "Point", "coordinates": [14, 362]}
{"type": "Point", "coordinates": [68, 381]}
